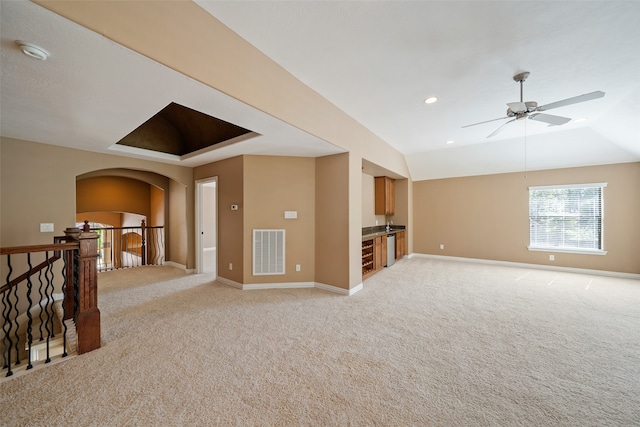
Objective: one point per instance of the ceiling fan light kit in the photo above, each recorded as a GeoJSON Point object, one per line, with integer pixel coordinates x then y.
{"type": "Point", "coordinates": [530, 109]}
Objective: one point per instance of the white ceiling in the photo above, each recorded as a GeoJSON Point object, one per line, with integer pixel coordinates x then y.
{"type": "Point", "coordinates": [92, 92]}
{"type": "Point", "coordinates": [377, 61]}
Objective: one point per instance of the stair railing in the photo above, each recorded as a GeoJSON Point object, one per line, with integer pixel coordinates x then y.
{"type": "Point", "coordinates": [132, 246]}
{"type": "Point", "coordinates": [69, 265]}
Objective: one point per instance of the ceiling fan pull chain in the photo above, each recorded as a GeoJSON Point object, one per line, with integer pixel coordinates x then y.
{"type": "Point", "coordinates": [525, 149]}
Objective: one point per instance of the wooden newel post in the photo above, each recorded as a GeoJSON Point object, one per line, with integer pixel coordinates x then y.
{"type": "Point", "coordinates": [88, 318]}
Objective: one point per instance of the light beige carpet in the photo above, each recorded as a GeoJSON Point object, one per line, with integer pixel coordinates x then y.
{"type": "Point", "coordinates": [426, 342]}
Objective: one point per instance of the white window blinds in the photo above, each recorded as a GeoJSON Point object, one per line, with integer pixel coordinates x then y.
{"type": "Point", "coordinates": [566, 217]}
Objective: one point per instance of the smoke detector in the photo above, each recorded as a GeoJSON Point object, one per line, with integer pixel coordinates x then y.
{"type": "Point", "coordinates": [32, 50]}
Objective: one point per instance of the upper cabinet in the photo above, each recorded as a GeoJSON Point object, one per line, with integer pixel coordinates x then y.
{"type": "Point", "coordinates": [385, 196]}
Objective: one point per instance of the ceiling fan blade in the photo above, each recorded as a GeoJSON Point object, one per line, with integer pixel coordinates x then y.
{"type": "Point", "coordinates": [551, 119]}
{"type": "Point", "coordinates": [486, 121]}
{"type": "Point", "coordinates": [574, 100]}
{"type": "Point", "coordinates": [500, 128]}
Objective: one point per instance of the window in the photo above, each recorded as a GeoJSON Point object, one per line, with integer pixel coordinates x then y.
{"type": "Point", "coordinates": [566, 218]}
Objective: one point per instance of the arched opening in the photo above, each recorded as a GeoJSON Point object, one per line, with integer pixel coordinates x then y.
{"type": "Point", "coordinates": [129, 216]}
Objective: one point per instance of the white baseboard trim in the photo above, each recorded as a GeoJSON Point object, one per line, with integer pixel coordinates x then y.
{"type": "Point", "coordinates": [289, 285]}
{"type": "Point", "coordinates": [229, 282]}
{"type": "Point", "coordinates": [180, 266]}
{"type": "Point", "coordinates": [286, 285]}
{"type": "Point", "coordinates": [338, 290]}
{"type": "Point", "coordinates": [533, 266]}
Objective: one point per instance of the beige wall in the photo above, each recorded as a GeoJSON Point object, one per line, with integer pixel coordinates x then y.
{"type": "Point", "coordinates": [230, 185]}
{"type": "Point", "coordinates": [114, 219]}
{"type": "Point", "coordinates": [332, 233]}
{"type": "Point", "coordinates": [113, 194]}
{"type": "Point", "coordinates": [369, 216]}
{"type": "Point", "coordinates": [38, 184]}
{"type": "Point", "coordinates": [271, 186]}
{"type": "Point", "coordinates": [403, 201]}
{"type": "Point", "coordinates": [487, 217]}
{"type": "Point", "coordinates": [157, 206]}
{"type": "Point", "coordinates": [157, 30]}
{"type": "Point", "coordinates": [264, 187]}
{"type": "Point", "coordinates": [179, 230]}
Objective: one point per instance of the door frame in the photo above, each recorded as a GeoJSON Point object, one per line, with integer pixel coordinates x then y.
{"type": "Point", "coordinates": [200, 184]}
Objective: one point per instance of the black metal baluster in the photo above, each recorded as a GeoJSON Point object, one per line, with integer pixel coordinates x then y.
{"type": "Point", "coordinates": [143, 242]}
{"type": "Point", "coordinates": [112, 248]}
{"type": "Point", "coordinates": [155, 247]}
{"type": "Point", "coordinates": [30, 321]}
{"type": "Point", "coordinates": [109, 232]}
{"type": "Point", "coordinates": [51, 299]}
{"type": "Point", "coordinates": [47, 305]}
{"type": "Point", "coordinates": [4, 338]}
{"type": "Point", "coordinates": [64, 306]}
{"type": "Point", "coordinates": [150, 246]}
{"type": "Point", "coordinates": [117, 247]}
{"type": "Point", "coordinates": [6, 326]}
{"type": "Point", "coordinates": [76, 295]}
{"type": "Point", "coordinates": [16, 323]}
{"type": "Point", "coordinates": [41, 309]}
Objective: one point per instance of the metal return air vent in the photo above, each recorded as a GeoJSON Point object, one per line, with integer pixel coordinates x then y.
{"type": "Point", "coordinates": [268, 252]}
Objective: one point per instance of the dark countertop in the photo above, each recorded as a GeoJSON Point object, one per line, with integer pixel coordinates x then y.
{"type": "Point", "coordinates": [373, 232]}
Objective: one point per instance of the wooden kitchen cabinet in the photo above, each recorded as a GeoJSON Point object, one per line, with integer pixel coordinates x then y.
{"type": "Point", "coordinates": [385, 203]}
{"type": "Point", "coordinates": [368, 258]}
{"type": "Point", "coordinates": [374, 255]}
{"type": "Point", "coordinates": [401, 244]}
{"type": "Point", "coordinates": [380, 252]}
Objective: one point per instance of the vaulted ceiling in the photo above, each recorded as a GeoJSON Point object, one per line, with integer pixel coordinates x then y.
{"type": "Point", "coordinates": [376, 61]}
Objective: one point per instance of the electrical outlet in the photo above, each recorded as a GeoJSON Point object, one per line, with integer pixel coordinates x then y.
{"type": "Point", "coordinates": [441, 246]}
{"type": "Point", "coordinates": [552, 257]}
{"type": "Point", "coordinates": [297, 267]}
{"type": "Point", "coordinates": [230, 266]}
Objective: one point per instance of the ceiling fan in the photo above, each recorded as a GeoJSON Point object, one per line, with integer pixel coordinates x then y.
{"type": "Point", "coordinates": [529, 109]}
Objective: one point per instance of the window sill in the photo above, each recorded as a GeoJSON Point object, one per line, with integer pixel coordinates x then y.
{"type": "Point", "coordinates": [568, 250]}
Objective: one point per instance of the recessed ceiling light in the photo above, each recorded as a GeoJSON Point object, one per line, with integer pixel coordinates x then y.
{"type": "Point", "coordinates": [430, 100]}
{"type": "Point", "coordinates": [32, 50]}
{"type": "Point", "coordinates": [451, 141]}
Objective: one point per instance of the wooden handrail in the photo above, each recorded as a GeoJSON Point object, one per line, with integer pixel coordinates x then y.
{"type": "Point", "coordinates": [125, 228]}
{"type": "Point", "coordinates": [55, 248]}
{"type": "Point", "coordinates": [11, 250]}
{"type": "Point", "coordinates": [88, 314]}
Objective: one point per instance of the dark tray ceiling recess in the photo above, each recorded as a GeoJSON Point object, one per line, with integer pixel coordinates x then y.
{"type": "Point", "coordinates": [180, 130]}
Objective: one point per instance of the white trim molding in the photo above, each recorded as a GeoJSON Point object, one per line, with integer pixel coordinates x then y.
{"type": "Point", "coordinates": [229, 282]}
{"type": "Point", "coordinates": [286, 285]}
{"type": "Point", "coordinates": [535, 266]}
{"type": "Point", "coordinates": [338, 290]}
{"type": "Point", "coordinates": [568, 250]}
{"type": "Point", "coordinates": [555, 187]}
{"type": "Point", "coordinates": [289, 285]}
{"type": "Point", "coordinates": [180, 266]}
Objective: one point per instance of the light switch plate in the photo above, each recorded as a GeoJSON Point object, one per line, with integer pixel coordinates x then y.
{"type": "Point", "coordinates": [46, 227]}
{"type": "Point", "coordinates": [290, 214]}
